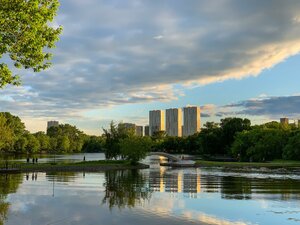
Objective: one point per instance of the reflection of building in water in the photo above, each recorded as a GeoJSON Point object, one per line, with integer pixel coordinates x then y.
{"type": "Point", "coordinates": [175, 182]}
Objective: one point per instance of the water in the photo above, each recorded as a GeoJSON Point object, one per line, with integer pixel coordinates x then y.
{"type": "Point", "coordinates": [45, 158]}
{"type": "Point", "coordinates": [154, 196]}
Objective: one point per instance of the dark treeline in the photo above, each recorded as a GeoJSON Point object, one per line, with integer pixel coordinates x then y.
{"type": "Point", "coordinates": [236, 138]}
{"type": "Point", "coordinates": [232, 137]}
{"type": "Point", "coordinates": [14, 138]}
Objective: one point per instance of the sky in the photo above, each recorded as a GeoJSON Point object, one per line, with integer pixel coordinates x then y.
{"type": "Point", "coordinates": [118, 59]}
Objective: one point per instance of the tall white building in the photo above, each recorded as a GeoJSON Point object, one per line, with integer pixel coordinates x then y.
{"type": "Point", "coordinates": [174, 122]}
{"type": "Point", "coordinates": [156, 121]}
{"type": "Point", "coordinates": [191, 121]}
{"type": "Point", "coordinates": [52, 124]}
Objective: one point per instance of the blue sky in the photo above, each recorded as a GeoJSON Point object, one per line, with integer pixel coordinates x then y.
{"type": "Point", "coordinates": [118, 59]}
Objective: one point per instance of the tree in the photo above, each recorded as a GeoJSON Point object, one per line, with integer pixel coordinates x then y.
{"type": "Point", "coordinates": [21, 144]}
{"type": "Point", "coordinates": [259, 144]}
{"type": "Point", "coordinates": [76, 137]}
{"type": "Point", "coordinates": [33, 144]}
{"type": "Point", "coordinates": [44, 140]}
{"type": "Point", "coordinates": [93, 144]}
{"type": "Point", "coordinates": [63, 143]}
{"type": "Point", "coordinates": [6, 134]}
{"type": "Point", "coordinates": [135, 148]}
{"type": "Point", "coordinates": [230, 126]}
{"type": "Point", "coordinates": [25, 35]}
{"type": "Point", "coordinates": [292, 149]}
{"type": "Point", "coordinates": [210, 139]}
{"type": "Point", "coordinates": [113, 136]}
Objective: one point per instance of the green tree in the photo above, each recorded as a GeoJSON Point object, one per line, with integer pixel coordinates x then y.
{"type": "Point", "coordinates": [93, 144]}
{"type": "Point", "coordinates": [211, 140]}
{"type": "Point", "coordinates": [63, 143]}
{"type": "Point", "coordinates": [113, 136]}
{"type": "Point", "coordinates": [33, 144]}
{"type": "Point", "coordinates": [44, 141]}
{"type": "Point", "coordinates": [6, 134]}
{"type": "Point", "coordinates": [25, 35]}
{"type": "Point", "coordinates": [259, 144]}
{"type": "Point", "coordinates": [21, 144]}
{"type": "Point", "coordinates": [230, 126]}
{"type": "Point", "coordinates": [53, 144]}
{"type": "Point", "coordinates": [76, 137]}
{"type": "Point", "coordinates": [135, 148]}
{"type": "Point", "coordinates": [292, 149]}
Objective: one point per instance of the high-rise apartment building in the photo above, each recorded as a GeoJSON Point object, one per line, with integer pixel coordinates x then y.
{"type": "Point", "coordinates": [191, 121]}
{"type": "Point", "coordinates": [139, 131]}
{"type": "Point", "coordinates": [52, 124]}
{"type": "Point", "coordinates": [156, 121]}
{"type": "Point", "coordinates": [284, 121]}
{"type": "Point", "coordinates": [174, 122]}
{"type": "Point", "coordinates": [147, 131]}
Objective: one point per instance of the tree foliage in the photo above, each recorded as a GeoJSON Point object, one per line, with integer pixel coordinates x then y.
{"type": "Point", "coordinates": [292, 149]}
{"type": "Point", "coordinates": [25, 35]}
{"type": "Point", "coordinates": [62, 139]}
{"type": "Point", "coordinates": [113, 136]}
{"type": "Point", "coordinates": [135, 148]}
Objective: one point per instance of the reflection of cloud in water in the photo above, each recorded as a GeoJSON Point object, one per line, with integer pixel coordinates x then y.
{"type": "Point", "coordinates": [166, 207]}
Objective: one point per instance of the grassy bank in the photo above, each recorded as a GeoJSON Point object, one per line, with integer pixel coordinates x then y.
{"type": "Point", "coordinates": [271, 164]}
{"type": "Point", "coordinates": [88, 166]}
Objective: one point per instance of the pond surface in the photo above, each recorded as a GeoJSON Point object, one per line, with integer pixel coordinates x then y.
{"type": "Point", "coordinates": [45, 158]}
{"type": "Point", "coordinates": [157, 195]}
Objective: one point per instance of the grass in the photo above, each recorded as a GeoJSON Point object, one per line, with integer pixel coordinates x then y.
{"type": "Point", "coordinates": [271, 164]}
{"type": "Point", "coordinates": [75, 166]}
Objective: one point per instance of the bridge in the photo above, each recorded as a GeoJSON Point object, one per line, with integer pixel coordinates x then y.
{"type": "Point", "coordinates": [175, 161]}
{"type": "Point", "coordinates": [167, 155]}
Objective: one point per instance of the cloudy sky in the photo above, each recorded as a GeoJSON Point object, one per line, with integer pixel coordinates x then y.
{"type": "Point", "coordinates": [118, 59]}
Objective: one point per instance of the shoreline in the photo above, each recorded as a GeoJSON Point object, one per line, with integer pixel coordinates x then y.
{"type": "Point", "coordinates": [88, 166]}
{"type": "Point", "coordinates": [272, 164]}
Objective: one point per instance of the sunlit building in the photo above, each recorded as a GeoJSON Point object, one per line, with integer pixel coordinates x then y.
{"type": "Point", "coordinates": [174, 122]}
{"type": "Point", "coordinates": [191, 121]}
{"type": "Point", "coordinates": [156, 121]}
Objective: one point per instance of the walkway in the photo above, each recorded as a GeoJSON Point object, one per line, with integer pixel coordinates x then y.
{"type": "Point", "coordinates": [175, 161]}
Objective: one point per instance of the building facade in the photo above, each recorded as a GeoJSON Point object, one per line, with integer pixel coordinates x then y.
{"type": "Point", "coordinates": [52, 124]}
{"type": "Point", "coordinates": [147, 131]}
{"type": "Point", "coordinates": [284, 121]}
{"type": "Point", "coordinates": [139, 131]}
{"type": "Point", "coordinates": [191, 121]}
{"type": "Point", "coordinates": [174, 122]}
{"type": "Point", "coordinates": [156, 121]}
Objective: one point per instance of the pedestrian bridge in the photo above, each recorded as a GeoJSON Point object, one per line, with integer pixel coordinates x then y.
{"type": "Point", "coordinates": [167, 155]}
{"type": "Point", "coordinates": [175, 161]}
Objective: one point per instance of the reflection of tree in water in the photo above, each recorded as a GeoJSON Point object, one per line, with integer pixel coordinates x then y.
{"type": "Point", "coordinates": [63, 177]}
{"type": "Point", "coordinates": [125, 188]}
{"type": "Point", "coordinates": [244, 188]}
{"type": "Point", "coordinates": [9, 183]}
{"type": "Point", "coordinates": [236, 188]}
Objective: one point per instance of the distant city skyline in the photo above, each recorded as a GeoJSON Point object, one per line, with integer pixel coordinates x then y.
{"type": "Point", "coordinates": [117, 60]}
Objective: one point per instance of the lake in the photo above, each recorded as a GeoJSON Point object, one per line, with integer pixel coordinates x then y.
{"type": "Point", "coordinates": [158, 195]}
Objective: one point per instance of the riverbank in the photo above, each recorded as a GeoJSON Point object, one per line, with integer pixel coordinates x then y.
{"type": "Point", "coordinates": [271, 164]}
{"type": "Point", "coordinates": [87, 166]}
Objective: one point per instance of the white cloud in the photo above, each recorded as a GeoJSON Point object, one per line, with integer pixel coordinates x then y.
{"type": "Point", "coordinates": [109, 53]}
